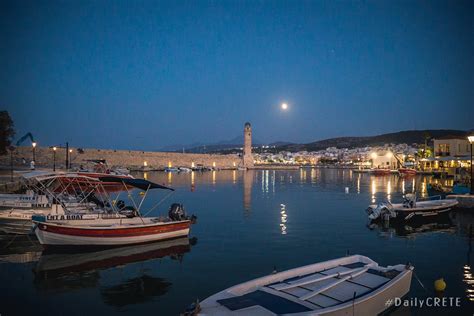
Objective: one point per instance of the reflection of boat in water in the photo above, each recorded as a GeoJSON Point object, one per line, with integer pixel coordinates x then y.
{"type": "Point", "coordinates": [410, 209]}
{"type": "Point", "coordinates": [407, 171]}
{"type": "Point", "coordinates": [380, 172]}
{"type": "Point", "coordinates": [19, 249]}
{"type": "Point", "coordinates": [414, 228]}
{"type": "Point", "coordinates": [354, 285]}
{"type": "Point", "coordinates": [84, 261]}
{"type": "Point", "coordinates": [135, 290]}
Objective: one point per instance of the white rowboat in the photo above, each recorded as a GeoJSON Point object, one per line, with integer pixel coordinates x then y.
{"type": "Point", "coordinates": [354, 285]}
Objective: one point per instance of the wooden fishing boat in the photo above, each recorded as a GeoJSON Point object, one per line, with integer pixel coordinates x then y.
{"type": "Point", "coordinates": [407, 171]}
{"type": "Point", "coordinates": [108, 232]}
{"type": "Point", "coordinates": [124, 226]}
{"type": "Point", "coordinates": [410, 209]}
{"type": "Point", "coordinates": [354, 285]}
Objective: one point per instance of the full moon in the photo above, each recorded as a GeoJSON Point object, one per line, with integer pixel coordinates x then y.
{"type": "Point", "coordinates": [284, 106]}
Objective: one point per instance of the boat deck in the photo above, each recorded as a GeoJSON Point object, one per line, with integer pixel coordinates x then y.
{"type": "Point", "coordinates": [314, 291]}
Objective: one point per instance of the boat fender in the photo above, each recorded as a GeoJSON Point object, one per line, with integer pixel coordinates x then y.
{"type": "Point", "coordinates": [440, 285]}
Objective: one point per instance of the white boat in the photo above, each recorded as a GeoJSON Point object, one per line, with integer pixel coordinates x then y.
{"type": "Point", "coordinates": [29, 199]}
{"type": "Point", "coordinates": [47, 196]}
{"type": "Point", "coordinates": [18, 221]}
{"type": "Point", "coordinates": [410, 209]}
{"type": "Point", "coordinates": [354, 285]}
{"type": "Point", "coordinates": [171, 169]}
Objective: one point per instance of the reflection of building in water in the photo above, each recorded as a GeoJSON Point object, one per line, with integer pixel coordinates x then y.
{"type": "Point", "coordinates": [248, 182]}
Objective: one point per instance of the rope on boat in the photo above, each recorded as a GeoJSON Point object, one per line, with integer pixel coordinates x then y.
{"type": "Point", "coordinates": [158, 204]}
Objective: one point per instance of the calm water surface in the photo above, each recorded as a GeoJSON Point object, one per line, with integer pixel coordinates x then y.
{"type": "Point", "coordinates": [242, 233]}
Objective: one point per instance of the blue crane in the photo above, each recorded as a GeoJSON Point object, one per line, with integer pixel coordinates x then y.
{"type": "Point", "coordinates": [27, 135]}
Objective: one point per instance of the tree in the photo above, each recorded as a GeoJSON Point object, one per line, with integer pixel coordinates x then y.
{"type": "Point", "coordinates": [6, 131]}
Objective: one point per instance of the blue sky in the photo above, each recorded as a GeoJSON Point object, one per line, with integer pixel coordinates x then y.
{"type": "Point", "coordinates": [146, 74]}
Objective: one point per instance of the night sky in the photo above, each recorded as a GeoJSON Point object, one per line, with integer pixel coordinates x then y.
{"type": "Point", "coordinates": [142, 75]}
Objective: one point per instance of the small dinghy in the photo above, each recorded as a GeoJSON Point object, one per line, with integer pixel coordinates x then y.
{"type": "Point", "coordinates": [354, 285]}
{"type": "Point", "coordinates": [410, 209]}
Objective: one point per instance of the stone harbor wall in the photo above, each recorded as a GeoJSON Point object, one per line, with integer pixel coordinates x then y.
{"type": "Point", "coordinates": [119, 158]}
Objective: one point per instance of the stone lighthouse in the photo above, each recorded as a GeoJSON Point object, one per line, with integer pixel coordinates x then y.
{"type": "Point", "coordinates": [247, 158]}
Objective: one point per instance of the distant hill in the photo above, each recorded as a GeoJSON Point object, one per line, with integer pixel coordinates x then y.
{"type": "Point", "coordinates": [222, 145]}
{"type": "Point", "coordinates": [407, 137]}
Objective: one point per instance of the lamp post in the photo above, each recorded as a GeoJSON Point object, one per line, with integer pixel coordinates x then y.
{"type": "Point", "coordinates": [11, 148]}
{"type": "Point", "coordinates": [70, 154]}
{"type": "Point", "coordinates": [54, 158]}
{"type": "Point", "coordinates": [34, 151]}
{"type": "Point", "coordinates": [67, 155]}
{"type": "Point", "coordinates": [471, 140]}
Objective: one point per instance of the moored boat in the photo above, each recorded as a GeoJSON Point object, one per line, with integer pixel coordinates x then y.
{"type": "Point", "coordinates": [124, 226]}
{"type": "Point", "coordinates": [410, 209]}
{"type": "Point", "coordinates": [354, 285]}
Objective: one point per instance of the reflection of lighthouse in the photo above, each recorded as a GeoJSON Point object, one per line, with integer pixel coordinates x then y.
{"type": "Point", "coordinates": [248, 181]}
{"type": "Point", "coordinates": [247, 158]}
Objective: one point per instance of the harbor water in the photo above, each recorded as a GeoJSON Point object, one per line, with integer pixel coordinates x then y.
{"type": "Point", "coordinates": [249, 224]}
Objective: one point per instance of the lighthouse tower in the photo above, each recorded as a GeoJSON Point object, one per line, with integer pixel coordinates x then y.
{"type": "Point", "coordinates": [247, 158]}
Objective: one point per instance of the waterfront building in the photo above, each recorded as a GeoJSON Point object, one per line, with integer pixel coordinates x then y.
{"type": "Point", "coordinates": [451, 156]}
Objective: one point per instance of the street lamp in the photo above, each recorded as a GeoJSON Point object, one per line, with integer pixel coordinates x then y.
{"type": "Point", "coordinates": [471, 140]}
{"type": "Point", "coordinates": [54, 158]}
{"type": "Point", "coordinates": [34, 151]}
{"type": "Point", "coordinates": [70, 157]}
{"type": "Point", "coordinates": [11, 148]}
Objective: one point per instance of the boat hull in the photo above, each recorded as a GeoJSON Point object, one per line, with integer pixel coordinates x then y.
{"type": "Point", "coordinates": [423, 210]}
{"type": "Point", "coordinates": [61, 235]}
{"type": "Point", "coordinates": [369, 302]}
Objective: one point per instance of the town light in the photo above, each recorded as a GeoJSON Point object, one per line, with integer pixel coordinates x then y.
{"type": "Point", "coordinates": [54, 158]}
{"type": "Point", "coordinates": [192, 164]}
{"type": "Point", "coordinates": [169, 164]}
{"type": "Point", "coordinates": [471, 140]}
{"type": "Point", "coordinates": [145, 164]}
{"type": "Point", "coordinates": [33, 144]}
{"type": "Point", "coordinates": [389, 155]}
{"type": "Point", "coordinates": [373, 155]}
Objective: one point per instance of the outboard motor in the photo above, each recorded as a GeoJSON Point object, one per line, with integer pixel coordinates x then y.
{"type": "Point", "coordinates": [409, 201]}
{"type": "Point", "coordinates": [177, 212]}
{"type": "Point", "coordinates": [383, 211]}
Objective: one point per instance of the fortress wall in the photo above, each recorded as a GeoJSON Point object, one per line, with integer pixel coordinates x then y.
{"type": "Point", "coordinates": [122, 158]}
